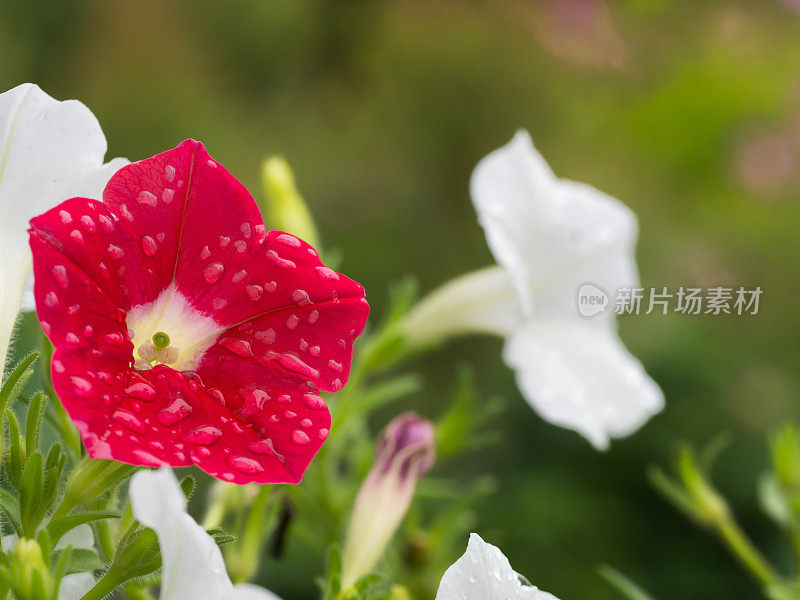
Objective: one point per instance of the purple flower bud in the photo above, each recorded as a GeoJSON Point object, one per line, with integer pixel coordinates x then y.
{"type": "Point", "coordinates": [405, 451]}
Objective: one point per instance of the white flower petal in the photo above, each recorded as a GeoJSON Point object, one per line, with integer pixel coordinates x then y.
{"type": "Point", "coordinates": [578, 374]}
{"type": "Point", "coordinates": [484, 573]}
{"type": "Point", "coordinates": [550, 234]}
{"type": "Point", "coordinates": [483, 301]}
{"type": "Point", "coordinates": [192, 561]}
{"type": "Point", "coordinates": [246, 591]}
{"type": "Point", "coordinates": [75, 586]}
{"type": "Point", "coordinates": [81, 536]}
{"type": "Point", "coordinates": [49, 151]}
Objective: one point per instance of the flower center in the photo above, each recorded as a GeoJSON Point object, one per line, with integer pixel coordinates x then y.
{"type": "Point", "coordinates": [170, 331]}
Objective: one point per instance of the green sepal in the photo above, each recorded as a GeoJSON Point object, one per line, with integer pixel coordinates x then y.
{"type": "Point", "coordinates": [30, 495]}
{"type": "Point", "coordinates": [10, 507]}
{"type": "Point", "coordinates": [79, 560]}
{"type": "Point", "coordinates": [14, 452]}
{"type": "Point", "coordinates": [59, 527]}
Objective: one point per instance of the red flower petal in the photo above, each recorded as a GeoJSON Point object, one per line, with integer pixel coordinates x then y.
{"type": "Point", "coordinates": [282, 322]}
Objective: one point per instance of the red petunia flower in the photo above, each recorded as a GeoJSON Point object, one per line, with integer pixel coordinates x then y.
{"type": "Point", "coordinates": [184, 332]}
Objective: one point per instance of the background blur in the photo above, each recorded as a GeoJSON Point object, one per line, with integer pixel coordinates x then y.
{"type": "Point", "coordinates": [687, 111]}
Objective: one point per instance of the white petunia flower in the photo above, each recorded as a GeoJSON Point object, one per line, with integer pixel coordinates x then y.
{"type": "Point", "coordinates": [49, 151]}
{"type": "Point", "coordinates": [192, 562]}
{"type": "Point", "coordinates": [484, 573]}
{"type": "Point", "coordinates": [550, 237]}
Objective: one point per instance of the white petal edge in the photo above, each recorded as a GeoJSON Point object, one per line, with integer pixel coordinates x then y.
{"type": "Point", "coordinates": [49, 151]}
{"type": "Point", "coordinates": [74, 587]}
{"type": "Point", "coordinates": [192, 562]}
{"type": "Point", "coordinates": [484, 573]}
{"type": "Point", "coordinates": [579, 375]}
{"type": "Point", "coordinates": [482, 301]}
{"type": "Point", "coordinates": [551, 233]}
{"type": "Point", "coordinates": [246, 591]}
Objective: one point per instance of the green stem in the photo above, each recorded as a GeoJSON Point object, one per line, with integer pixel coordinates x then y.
{"type": "Point", "coordinates": [107, 584]}
{"type": "Point", "coordinates": [744, 550]}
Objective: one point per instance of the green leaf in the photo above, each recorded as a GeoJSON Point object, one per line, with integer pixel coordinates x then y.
{"type": "Point", "coordinates": [59, 527]}
{"type": "Point", "coordinates": [16, 379]}
{"type": "Point", "coordinates": [221, 536]}
{"type": "Point", "coordinates": [622, 584]}
{"type": "Point", "coordinates": [188, 485]}
{"type": "Point", "coordinates": [10, 506]}
{"type": "Point", "coordinates": [33, 425]}
{"type": "Point", "coordinates": [80, 560]}
{"type": "Point", "coordinates": [30, 495]}
{"type": "Point", "coordinates": [14, 451]}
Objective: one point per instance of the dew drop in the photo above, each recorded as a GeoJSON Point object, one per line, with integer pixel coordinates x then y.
{"type": "Point", "coordinates": [177, 411]}
{"type": "Point", "coordinates": [88, 331]}
{"type": "Point", "coordinates": [306, 423]}
{"type": "Point", "coordinates": [203, 436]}
{"type": "Point", "coordinates": [167, 195]}
{"type": "Point", "coordinates": [77, 236]}
{"type": "Point", "coordinates": [292, 321]}
{"type": "Point", "coordinates": [335, 366]}
{"type": "Point", "coordinates": [113, 339]}
{"type": "Point", "coordinates": [288, 240]}
{"type": "Point", "coordinates": [71, 338]}
{"type": "Point", "coordinates": [218, 303]}
{"type": "Point", "coordinates": [106, 224]}
{"type": "Point", "coordinates": [238, 347]}
{"type": "Point", "coordinates": [246, 465]}
{"type": "Point", "coordinates": [270, 286]}
{"type": "Point", "coordinates": [313, 316]}
{"type": "Point", "coordinates": [254, 292]}
{"type": "Point", "coordinates": [246, 231]}
{"type": "Point", "coordinates": [254, 401]}
{"type": "Point", "coordinates": [224, 241]}
{"type": "Point", "coordinates": [126, 214]}
{"type": "Point", "coordinates": [141, 390]}
{"type": "Point", "coordinates": [294, 364]}
{"type": "Point", "coordinates": [313, 401]}
{"type": "Point", "coordinates": [169, 172]}
{"type": "Point", "coordinates": [314, 350]}
{"type": "Point", "coordinates": [51, 299]}
{"type": "Point", "coordinates": [147, 198]}
{"type": "Point", "coordinates": [265, 446]}
{"type": "Point", "coordinates": [326, 273]}
{"type": "Point", "coordinates": [300, 437]}
{"type": "Point", "coordinates": [301, 297]}
{"type": "Point", "coordinates": [213, 272]}
{"type": "Point", "coordinates": [281, 262]}
{"type": "Point", "coordinates": [59, 273]}
{"type": "Point", "coordinates": [267, 336]}
{"type": "Point", "coordinates": [239, 276]}
{"type": "Point", "coordinates": [149, 246]}
{"type": "Point", "coordinates": [205, 253]}
{"type": "Point", "coordinates": [241, 246]}
{"type": "Point", "coordinates": [115, 252]}
{"type": "Point", "coordinates": [129, 420]}
{"type": "Point", "coordinates": [66, 218]}
{"type": "Point", "coordinates": [88, 223]}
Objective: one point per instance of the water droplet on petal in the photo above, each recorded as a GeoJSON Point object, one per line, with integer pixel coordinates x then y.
{"type": "Point", "coordinates": [326, 273]}
{"type": "Point", "coordinates": [218, 303]}
{"type": "Point", "coordinates": [238, 347]}
{"type": "Point", "coordinates": [204, 436]}
{"type": "Point", "coordinates": [113, 339]}
{"type": "Point", "coordinates": [254, 292]}
{"type": "Point", "coordinates": [213, 272]}
{"type": "Point", "coordinates": [167, 195]}
{"type": "Point", "coordinates": [106, 224]}
{"type": "Point", "coordinates": [313, 316]}
{"type": "Point", "coordinates": [314, 401]}
{"type": "Point", "coordinates": [142, 390]}
{"type": "Point", "coordinates": [224, 241]}
{"type": "Point", "coordinates": [205, 253]}
{"type": "Point", "coordinates": [267, 336]}
{"type": "Point", "coordinates": [88, 223]}
{"type": "Point", "coordinates": [115, 252]}
{"type": "Point", "coordinates": [288, 240]}
{"type": "Point", "coordinates": [241, 246]}
{"type": "Point", "coordinates": [149, 246]}
{"type": "Point", "coordinates": [169, 172]}
{"type": "Point", "coordinates": [59, 273]}
{"type": "Point", "coordinates": [51, 299]}
{"type": "Point", "coordinates": [177, 411]}
{"type": "Point", "coordinates": [66, 218]}
{"type": "Point", "coordinates": [294, 364]}
{"type": "Point", "coordinates": [281, 262]}
{"type": "Point", "coordinates": [246, 231]}
{"type": "Point", "coordinates": [130, 420]}
{"type": "Point", "coordinates": [301, 297]}
{"type": "Point", "coordinates": [292, 321]}
{"type": "Point", "coordinates": [77, 236]}
{"type": "Point", "coordinates": [300, 437]}
{"type": "Point", "coordinates": [239, 276]}
{"type": "Point", "coordinates": [246, 465]}
{"type": "Point", "coordinates": [147, 198]}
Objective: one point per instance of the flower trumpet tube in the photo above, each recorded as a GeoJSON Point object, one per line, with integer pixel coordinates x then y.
{"type": "Point", "coordinates": [405, 451]}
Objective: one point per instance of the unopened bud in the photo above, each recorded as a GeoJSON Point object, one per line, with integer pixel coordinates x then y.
{"type": "Point", "coordinates": [285, 209]}
{"type": "Point", "coordinates": [405, 451]}
{"type": "Point", "coordinates": [30, 577]}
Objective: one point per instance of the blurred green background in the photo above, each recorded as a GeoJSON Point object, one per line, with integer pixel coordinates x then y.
{"type": "Point", "coordinates": [687, 111]}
